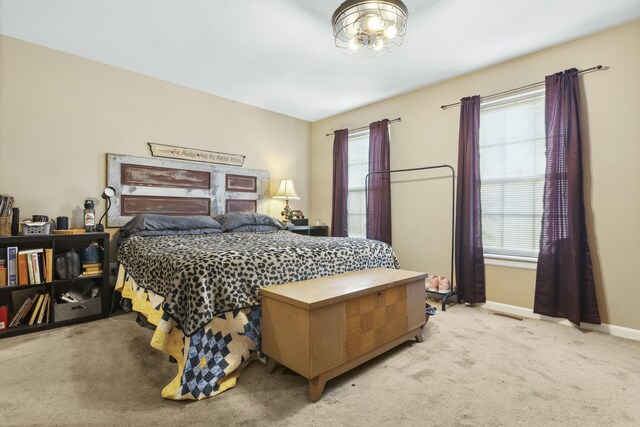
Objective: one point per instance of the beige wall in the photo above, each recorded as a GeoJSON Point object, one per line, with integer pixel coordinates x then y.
{"type": "Point", "coordinates": [60, 114]}
{"type": "Point", "coordinates": [428, 135]}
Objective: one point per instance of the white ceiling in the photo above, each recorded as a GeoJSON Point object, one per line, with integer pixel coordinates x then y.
{"type": "Point", "coordinates": [279, 54]}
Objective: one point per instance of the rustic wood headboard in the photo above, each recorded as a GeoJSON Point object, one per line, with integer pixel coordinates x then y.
{"type": "Point", "coordinates": [173, 187]}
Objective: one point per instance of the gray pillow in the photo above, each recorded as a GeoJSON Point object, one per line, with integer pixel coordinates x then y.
{"type": "Point", "coordinates": [233, 220]}
{"type": "Point", "coordinates": [193, 231]}
{"type": "Point", "coordinates": [153, 222]}
{"type": "Point", "coordinates": [255, 228]}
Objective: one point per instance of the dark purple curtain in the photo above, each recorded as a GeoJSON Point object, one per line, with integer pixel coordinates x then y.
{"type": "Point", "coordinates": [564, 280]}
{"type": "Point", "coordinates": [379, 195]}
{"type": "Point", "coordinates": [469, 254]}
{"type": "Point", "coordinates": [340, 183]}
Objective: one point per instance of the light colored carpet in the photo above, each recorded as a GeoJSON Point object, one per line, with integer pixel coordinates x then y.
{"type": "Point", "coordinates": [473, 369]}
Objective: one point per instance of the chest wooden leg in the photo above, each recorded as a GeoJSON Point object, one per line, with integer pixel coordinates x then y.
{"type": "Point", "coordinates": [271, 365]}
{"type": "Point", "coordinates": [316, 386]}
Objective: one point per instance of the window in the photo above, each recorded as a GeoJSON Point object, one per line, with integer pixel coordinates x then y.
{"type": "Point", "coordinates": [512, 164]}
{"type": "Point", "coordinates": [358, 169]}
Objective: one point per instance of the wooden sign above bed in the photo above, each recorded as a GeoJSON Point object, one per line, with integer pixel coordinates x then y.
{"type": "Point", "coordinates": [173, 187]}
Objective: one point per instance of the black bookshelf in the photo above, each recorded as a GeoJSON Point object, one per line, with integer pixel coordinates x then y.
{"type": "Point", "coordinates": [59, 314]}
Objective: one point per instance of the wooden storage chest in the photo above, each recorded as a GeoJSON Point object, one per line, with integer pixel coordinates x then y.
{"type": "Point", "coordinates": [323, 327]}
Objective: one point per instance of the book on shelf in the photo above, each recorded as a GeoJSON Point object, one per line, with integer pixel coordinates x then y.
{"type": "Point", "coordinates": [92, 265]}
{"type": "Point", "coordinates": [4, 317]}
{"type": "Point", "coordinates": [24, 308]}
{"type": "Point", "coordinates": [36, 268]}
{"type": "Point", "coordinates": [23, 272]}
{"type": "Point", "coordinates": [92, 272]}
{"type": "Point", "coordinates": [3, 267]}
{"type": "Point", "coordinates": [32, 266]}
{"type": "Point", "coordinates": [48, 310]}
{"type": "Point", "coordinates": [48, 255]}
{"type": "Point", "coordinates": [12, 266]}
{"type": "Point", "coordinates": [43, 309]}
{"type": "Point", "coordinates": [34, 312]}
{"type": "Point", "coordinates": [92, 269]}
{"type": "Point", "coordinates": [28, 313]}
{"type": "Point", "coordinates": [43, 266]}
{"type": "Point", "coordinates": [16, 315]}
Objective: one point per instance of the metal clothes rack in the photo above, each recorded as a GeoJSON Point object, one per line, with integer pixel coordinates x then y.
{"type": "Point", "coordinates": [452, 291]}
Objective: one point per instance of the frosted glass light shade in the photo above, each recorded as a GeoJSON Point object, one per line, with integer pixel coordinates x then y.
{"type": "Point", "coordinates": [287, 190]}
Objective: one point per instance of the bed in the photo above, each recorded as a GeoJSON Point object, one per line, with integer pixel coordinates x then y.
{"type": "Point", "coordinates": [197, 280]}
{"type": "Point", "coordinates": [202, 290]}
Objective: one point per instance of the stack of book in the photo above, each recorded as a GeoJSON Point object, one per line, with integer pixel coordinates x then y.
{"type": "Point", "coordinates": [34, 310]}
{"type": "Point", "coordinates": [27, 267]}
{"type": "Point", "coordinates": [94, 269]}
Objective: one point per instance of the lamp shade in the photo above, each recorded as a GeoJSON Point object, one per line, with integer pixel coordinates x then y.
{"type": "Point", "coordinates": [108, 193]}
{"type": "Point", "coordinates": [286, 190]}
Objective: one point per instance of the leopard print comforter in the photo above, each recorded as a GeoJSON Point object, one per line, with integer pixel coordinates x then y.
{"type": "Point", "coordinates": [204, 275]}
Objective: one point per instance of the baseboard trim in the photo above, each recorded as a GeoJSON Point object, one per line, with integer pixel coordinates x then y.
{"type": "Point", "coordinates": [616, 331]}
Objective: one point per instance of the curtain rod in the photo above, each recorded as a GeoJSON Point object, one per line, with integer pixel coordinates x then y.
{"type": "Point", "coordinates": [367, 127]}
{"type": "Point", "coordinates": [587, 70]}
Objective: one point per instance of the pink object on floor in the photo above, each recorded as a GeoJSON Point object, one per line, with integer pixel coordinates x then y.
{"type": "Point", "coordinates": [434, 284]}
{"type": "Point", "coordinates": [443, 284]}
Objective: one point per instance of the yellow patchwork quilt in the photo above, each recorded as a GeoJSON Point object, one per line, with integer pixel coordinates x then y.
{"type": "Point", "coordinates": [210, 360]}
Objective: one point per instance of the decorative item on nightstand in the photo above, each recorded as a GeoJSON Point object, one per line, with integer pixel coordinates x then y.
{"type": "Point", "coordinates": [297, 218]}
{"type": "Point", "coordinates": [89, 216]}
{"type": "Point", "coordinates": [286, 191]}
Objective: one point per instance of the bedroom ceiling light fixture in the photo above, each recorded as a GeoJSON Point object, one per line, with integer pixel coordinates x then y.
{"type": "Point", "coordinates": [286, 191]}
{"type": "Point", "coordinates": [370, 28]}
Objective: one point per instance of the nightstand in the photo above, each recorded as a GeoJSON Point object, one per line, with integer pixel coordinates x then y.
{"type": "Point", "coordinates": [310, 230]}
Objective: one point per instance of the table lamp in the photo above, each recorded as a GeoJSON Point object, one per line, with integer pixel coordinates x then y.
{"type": "Point", "coordinates": [107, 194]}
{"type": "Point", "coordinates": [286, 191]}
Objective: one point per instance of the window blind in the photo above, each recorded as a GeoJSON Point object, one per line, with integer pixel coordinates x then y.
{"type": "Point", "coordinates": [512, 165]}
{"type": "Point", "coordinates": [358, 163]}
